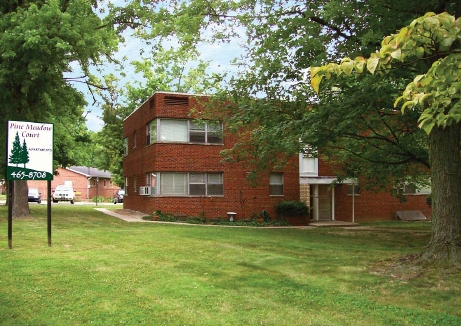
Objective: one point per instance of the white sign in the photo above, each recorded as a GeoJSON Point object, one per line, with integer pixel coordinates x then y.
{"type": "Point", "coordinates": [29, 151]}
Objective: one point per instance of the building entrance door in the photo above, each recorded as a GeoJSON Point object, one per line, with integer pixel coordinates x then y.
{"type": "Point", "coordinates": [325, 207]}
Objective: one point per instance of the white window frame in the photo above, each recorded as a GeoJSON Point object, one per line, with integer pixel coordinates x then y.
{"type": "Point", "coordinates": [156, 131]}
{"type": "Point", "coordinates": [276, 183]}
{"type": "Point", "coordinates": [151, 132]}
{"type": "Point", "coordinates": [125, 146]}
{"type": "Point", "coordinates": [213, 182]}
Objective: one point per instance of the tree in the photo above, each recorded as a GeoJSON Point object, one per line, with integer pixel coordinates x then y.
{"type": "Point", "coordinates": [42, 44]}
{"type": "Point", "coordinates": [164, 71]}
{"type": "Point", "coordinates": [435, 96]}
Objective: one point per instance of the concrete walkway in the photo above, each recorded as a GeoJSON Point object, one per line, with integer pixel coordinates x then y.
{"type": "Point", "coordinates": [138, 218]}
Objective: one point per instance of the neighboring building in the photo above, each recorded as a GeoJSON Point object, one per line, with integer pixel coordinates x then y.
{"type": "Point", "coordinates": [346, 201]}
{"type": "Point", "coordinates": [87, 182]}
{"type": "Point", "coordinates": [174, 165]}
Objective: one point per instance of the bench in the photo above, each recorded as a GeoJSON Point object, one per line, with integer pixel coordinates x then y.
{"type": "Point", "coordinates": [410, 216]}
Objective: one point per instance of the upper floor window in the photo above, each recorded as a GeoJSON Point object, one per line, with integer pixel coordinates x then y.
{"type": "Point", "coordinates": [276, 184]}
{"type": "Point", "coordinates": [125, 146]}
{"type": "Point", "coordinates": [183, 131]}
{"type": "Point", "coordinates": [205, 133]}
{"type": "Point", "coordinates": [412, 189]}
{"type": "Point", "coordinates": [151, 132]}
{"type": "Point", "coordinates": [135, 139]}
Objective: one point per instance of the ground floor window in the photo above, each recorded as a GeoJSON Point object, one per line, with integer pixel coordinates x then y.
{"type": "Point", "coordinates": [276, 184]}
{"type": "Point", "coordinates": [185, 183]}
{"type": "Point", "coordinates": [353, 189]}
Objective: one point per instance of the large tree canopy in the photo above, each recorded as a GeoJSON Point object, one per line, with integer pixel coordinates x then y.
{"type": "Point", "coordinates": [352, 121]}
{"type": "Point", "coordinates": [436, 97]}
{"type": "Point", "coordinates": [43, 44]}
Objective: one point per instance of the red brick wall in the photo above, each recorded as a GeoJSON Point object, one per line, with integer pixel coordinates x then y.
{"type": "Point", "coordinates": [79, 183]}
{"type": "Point", "coordinates": [375, 206]}
{"type": "Point", "coordinates": [238, 197]}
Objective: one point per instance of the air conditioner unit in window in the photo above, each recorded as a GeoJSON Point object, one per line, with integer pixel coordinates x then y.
{"type": "Point", "coordinates": [144, 191]}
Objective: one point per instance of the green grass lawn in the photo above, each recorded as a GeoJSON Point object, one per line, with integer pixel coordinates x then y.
{"type": "Point", "coordinates": [103, 271]}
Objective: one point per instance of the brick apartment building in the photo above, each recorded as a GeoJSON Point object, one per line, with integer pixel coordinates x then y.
{"type": "Point", "coordinates": [347, 202]}
{"type": "Point", "coordinates": [173, 164]}
{"type": "Point", "coordinates": [87, 182]}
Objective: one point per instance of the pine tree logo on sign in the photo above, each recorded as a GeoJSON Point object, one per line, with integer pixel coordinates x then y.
{"type": "Point", "coordinates": [30, 151]}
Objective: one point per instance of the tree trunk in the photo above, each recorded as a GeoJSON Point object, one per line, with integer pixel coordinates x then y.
{"type": "Point", "coordinates": [20, 202]}
{"type": "Point", "coordinates": [445, 158]}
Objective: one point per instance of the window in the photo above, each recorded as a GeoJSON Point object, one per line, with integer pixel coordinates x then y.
{"type": "Point", "coordinates": [214, 133]}
{"type": "Point", "coordinates": [151, 132]}
{"type": "Point", "coordinates": [135, 139]}
{"type": "Point", "coordinates": [411, 189]}
{"type": "Point", "coordinates": [173, 130]}
{"type": "Point", "coordinates": [135, 187]}
{"type": "Point", "coordinates": [353, 189]}
{"type": "Point", "coordinates": [197, 184]}
{"type": "Point", "coordinates": [205, 133]}
{"type": "Point", "coordinates": [125, 146]}
{"type": "Point", "coordinates": [185, 183]}
{"type": "Point", "coordinates": [276, 184]}
{"type": "Point", "coordinates": [173, 184]}
{"type": "Point", "coordinates": [201, 184]}
{"type": "Point", "coordinates": [215, 184]}
{"type": "Point", "coordinates": [151, 181]}
{"type": "Point", "coordinates": [177, 130]}
{"type": "Point", "coordinates": [104, 183]}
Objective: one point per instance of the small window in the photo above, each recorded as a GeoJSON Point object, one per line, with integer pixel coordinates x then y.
{"type": "Point", "coordinates": [135, 139]}
{"type": "Point", "coordinates": [126, 186]}
{"type": "Point", "coordinates": [215, 184]}
{"type": "Point", "coordinates": [135, 186]}
{"type": "Point", "coordinates": [353, 189]}
{"type": "Point", "coordinates": [197, 184]}
{"type": "Point", "coordinates": [197, 133]}
{"type": "Point", "coordinates": [151, 181]}
{"type": "Point", "coordinates": [104, 183]}
{"type": "Point", "coordinates": [276, 184]}
{"type": "Point", "coordinates": [214, 133]}
{"type": "Point", "coordinates": [151, 132]}
{"type": "Point", "coordinates": [125, 146]}
{"type": "Point", "coordinates": [409, 189]}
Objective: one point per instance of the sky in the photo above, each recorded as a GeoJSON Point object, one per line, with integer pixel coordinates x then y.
{"type": "Point", "coordinates": [219, 57]}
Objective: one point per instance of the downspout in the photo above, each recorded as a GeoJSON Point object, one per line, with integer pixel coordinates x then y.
{"type": "Point", "coordinates": [88, 185]}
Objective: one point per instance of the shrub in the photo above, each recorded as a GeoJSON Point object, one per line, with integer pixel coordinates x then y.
{"type": "Point", "coordinates": [98, 199]}
{"type": "Point", "coordinates": [292, 208]}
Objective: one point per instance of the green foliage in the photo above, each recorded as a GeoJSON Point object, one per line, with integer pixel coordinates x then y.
{"type": "Point", "coordinates": [163, 71]}
{"type": "Point", "coordinates": [100, 199]}
{"type": "Point", "coordinates": [436, 40]}
{"type": "Point", "coordinates": [435, 94]}
{"type": "Point", "coordinates": [42, 44]}
{"type": "Point", "coordinates": [292, 208]}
